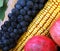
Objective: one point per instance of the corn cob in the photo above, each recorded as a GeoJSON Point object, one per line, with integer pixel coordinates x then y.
{"type": "Point", "coordinates": [41, 23]}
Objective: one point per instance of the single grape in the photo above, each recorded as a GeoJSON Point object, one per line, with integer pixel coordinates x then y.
{"type": "Point", "coordinates": [35, 6]}
{"type": "Point", "coordinates": [18, 26]}
{"type": "Point", "coordinates": [22, 11]}
{"type": "Point", "coordinates": [26, 8]}
{"type": "Point", "coordinates": [24, 29]}
{"type": "Point", "coordinates": [13, 24]}
{"type": "Point", "coordinates": [10, 29]}
{"type": "Point", "coordinates": [15, 31]}
{"type": "Point", "coordinates": [22, 2]}
{"type": "Point", "coordinates": [23, 24]}
{"type": "Point", "coordinates": [27, 18]}
{"type": "Point", "coordinates": [12, 35]}
{"type": "Point", "coordinates": [29, 12]}
{"type": "Point", "coordinates": [30, 4]}
{"type": "Point", "coordinates": [20, 18]}
{"type": "Point", "coordinates": [18, 6]}
{"type": "Point", "coordinates": [41, 6]}
{"type": "Point", "coordinates": [9, 15]}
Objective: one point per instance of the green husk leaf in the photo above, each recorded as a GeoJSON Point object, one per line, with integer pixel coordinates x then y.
{"type": "Point", "coordinates": [1, 3]}
{"type": "Point", "coordinates": [2, 12]}
{"type": "Point", "coordinates": [3, 9]}
{"type": "Point", "coordinates": [6, 1]}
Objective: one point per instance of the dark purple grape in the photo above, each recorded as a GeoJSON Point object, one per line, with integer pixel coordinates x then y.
{"type": "Point", "coordinates": [6, 42]}
{"type": "Point", "coordinates": [12, 45]}
{"type": "Point", "coordinates": [10, 15]}
{"type": "Point", "coordinates": [10, 29]}
{"type": "Point", "coordinates": [20, 31]}
{"type": "Point", "coordinates": [22, 3]}
{"type": "Point", "coordinates": [29, 12]}
{"type": "Point", "coordinates": [20, 18]}
{"type": "Point", "coordinates": [26, 8]}
{"type": "Point", "coordinates": [15, 31]}
{"type": "Point", "coordinates": [1, 44]}
{"type": "Point", "coordinates": [30, 4]}
{"type": "Point", "coordinates": [27, 18]}
{"type": "Point", "coordinates": [42, 1]}
{"type": "Point", "coordinates": [6, 35]}
{"type": "Point", "coordinates": [24, 29]}
{"type": "Point", "coordinates": [12, 35]}
{"type": "Point", "coordinates": [5, 29]}
{"type": "Point", "coordinates": [11, 40]}
{"type": "Point", "coordinates": [13, 24]}
{"type": "Point", "coordinates": [2, 26]}
{"type": "Point", "coordinates": [41, 6]}
{"type": "Point", "coordinates": [22, 12]}
{"type": "Point", "coordinates": [13, 18]}
{"type": "Point", "coordinates": [23, 23]}
{"type": "Point", "coordinates": [18, 6]}
{"type": "Point", "coordinates": [34, 12]}
{"type": "Point", "coordinates": [5, 49]}
{"type": "Point", "coordinates": [27, 23]}
{"type": "Point", "coordinates": [35, 0]}
{"type": "Point", "coordinates": [17, 37]}
{"type": "Point", "coordinates": [35, 6]}
{"type": "Point", "coordinates": [15, 11]}
{"type": "Point", "coordinates": [18, 26]}
{"type": "Point", "coordinates": [0, 35]}
{"type": "Point", "coordinates": [7, 23]}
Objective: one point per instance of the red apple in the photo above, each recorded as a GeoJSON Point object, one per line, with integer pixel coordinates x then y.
{"type": "Point", "coordinates": [40, 43]}
{"type": "Point", "coordinates": [55, 31]}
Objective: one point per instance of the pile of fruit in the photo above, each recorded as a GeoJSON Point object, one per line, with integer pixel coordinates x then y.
{"type": "Point", "coordinates": [43, 43]}
{"type": "Point", "coordinates": [20, 17]}
{"type": "Point", "coordinates": [31, 36]}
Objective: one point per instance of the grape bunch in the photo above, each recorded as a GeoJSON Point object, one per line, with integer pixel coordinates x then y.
{"type": "Point", "coordinates": [20, 17]}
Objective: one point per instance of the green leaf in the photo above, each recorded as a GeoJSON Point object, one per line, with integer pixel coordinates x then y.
{"type": "Point", "coordinates": [2, 12]}
{"type": "Point", "coordinates": [6, 1]}
{"type": "Point", "coordinates": [1, 3]}
{"type": "Point", "coordinates": [3, 9]}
